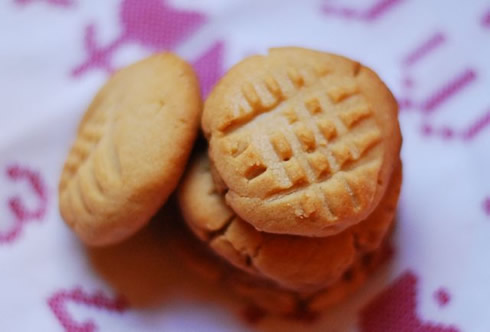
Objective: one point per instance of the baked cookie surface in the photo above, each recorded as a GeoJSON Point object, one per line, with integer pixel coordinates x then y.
{"type": "Point", "coordinates": [278, 300]}
{"type": "Point", "coordinates": [304, 141]}
{"type": "Point", "coordinates": [268, 295]}
{"type": "Point", "coordinates": [131, 148]}
{"type": "Point", "coordinates": [299, 263]}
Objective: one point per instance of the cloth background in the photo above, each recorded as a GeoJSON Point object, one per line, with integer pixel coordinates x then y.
{"type": "Point", "coordinates": [434, 55]}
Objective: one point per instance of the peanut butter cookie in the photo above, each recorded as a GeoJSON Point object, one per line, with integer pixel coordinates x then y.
{"type": "Point", "coordinates": [299, 263]}
{"type": "Point", "coordinates": [131, 148]}
{"type": "Point", "coordinates": [304, 141]}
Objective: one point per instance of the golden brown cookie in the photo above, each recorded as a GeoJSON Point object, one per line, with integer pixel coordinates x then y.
{"type": "Point", "coordinates": [305, 141]}
{"type": "Point", "coordinates": [268, 295]}
{"type": "Point", "coordinates": [131, 148]}
{"type": "Point", "coordinates": [294, 262]}
{"type": "Point", "coordinates": [277, 300]}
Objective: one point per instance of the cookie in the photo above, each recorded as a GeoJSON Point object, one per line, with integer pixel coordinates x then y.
{"type": "Point", "coordinates": [304, 141]}
{"type": "Point", "coordinates": [131, 148]}
{"type": "Point", "coordinates": [266, 294]}
{"type": "Point", "coordinates": [293, 262]}
{"type": "Point", "coordinates": [280, 301]}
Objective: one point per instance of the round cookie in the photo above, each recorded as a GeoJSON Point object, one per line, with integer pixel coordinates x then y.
{"type": "Point", "coordinates": [277, 300]}
{"type": "Point", "coordinates": [305, 141]}
{"type": "Point", "coordinates": [131, 148]}
{"type": "Point", "coordinates": [293, 262]}
{"type": "Point", "coordinates": [266, 294]}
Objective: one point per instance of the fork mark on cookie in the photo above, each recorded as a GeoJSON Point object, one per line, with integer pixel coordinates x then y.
{"type": "Point", "coordinates": [253, 104]}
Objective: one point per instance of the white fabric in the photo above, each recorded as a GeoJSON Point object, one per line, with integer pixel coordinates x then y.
{"type": "Point", "coordinates": [444, 215]}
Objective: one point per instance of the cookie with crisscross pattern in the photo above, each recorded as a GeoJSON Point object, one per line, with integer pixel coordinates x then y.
{"type": "Point", "coordinates": [304, 141]}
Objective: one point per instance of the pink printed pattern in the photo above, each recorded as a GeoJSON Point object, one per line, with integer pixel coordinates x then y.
{"type": "Point", "coordinates": [466, 134]}
{"type": "Point", "coordinates": [428, 46]}
{"type": "Point", "coordinates": [370, 14]}
{"type": "Point", "coordinates": [209, 67]}
{"type": "Point", "coordinates": [441, 95]}
{"type": "Point", "coordinates": [57, 3]}
{"type": "Point", "coordinates": [424, 49]}
{"type": "Point", "coordinates": [395, 310]}
{"type": "Point", "coordinates": [442, 297]}
{"type": "Point", "coordinates": [151, 23]}
{"type": "Point", "coordinates": [437, 98]}
{"type": "Point", "coordinates": [486, 206]}
{"type": "Point", "coordinates": [446, 91]}
{"type": "Point", "coordinates": [97, 301]}
{"type": "Point", "coordinates": [485, 21]}
{"type": "Point", "coordinates": [21, 213]}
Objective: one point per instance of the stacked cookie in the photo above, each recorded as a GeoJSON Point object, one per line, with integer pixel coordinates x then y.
{"type": "Point", "coordinates": [303, 174]}
{"type": "Point", "coordinates": [296, 193]}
